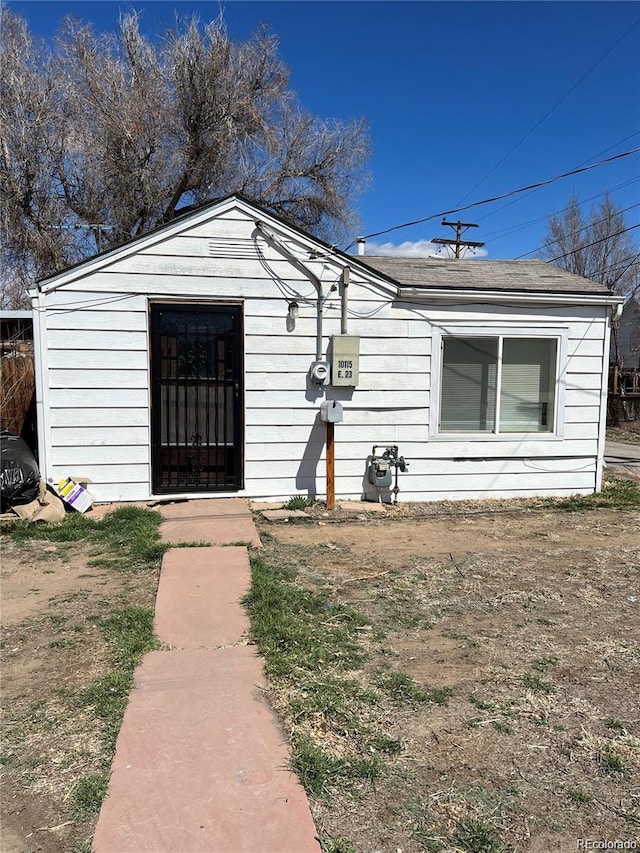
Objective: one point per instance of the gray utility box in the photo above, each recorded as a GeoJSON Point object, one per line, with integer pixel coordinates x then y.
{"type": "Point", "coordinates": [331, 412]}
{"type": "Point", "coordinates": [345, 360]}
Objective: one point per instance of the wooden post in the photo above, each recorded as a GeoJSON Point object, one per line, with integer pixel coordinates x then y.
{"type": "Point", "coordinates": [331, 467]}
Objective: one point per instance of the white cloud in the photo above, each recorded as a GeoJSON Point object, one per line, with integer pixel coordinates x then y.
{"type": "Point", "coordinates": [416, 249]}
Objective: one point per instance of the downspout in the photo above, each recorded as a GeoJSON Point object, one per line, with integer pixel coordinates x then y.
{"type": "Point", "coordinates": [274, 240]}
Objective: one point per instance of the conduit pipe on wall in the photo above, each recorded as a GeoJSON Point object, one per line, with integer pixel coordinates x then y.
{"type": "Point", "coordinates": [275, 241]}
{"type": "Point", "coordinates": [346, 277]}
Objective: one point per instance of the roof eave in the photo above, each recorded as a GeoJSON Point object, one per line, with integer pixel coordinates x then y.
{"type": "Point", "coordinates": [444, 295]}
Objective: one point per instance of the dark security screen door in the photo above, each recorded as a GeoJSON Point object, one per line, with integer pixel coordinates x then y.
{"type": "Point", "coordinates": [196, 366]}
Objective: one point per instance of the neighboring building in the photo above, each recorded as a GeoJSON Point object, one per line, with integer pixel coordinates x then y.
{"type": "Point", "coordinates": [625, 344]}
{"type": "Point", "coordinates": [17, 382]}
{"type": "Point", "coordinates": [179, 365]}
{"type": "Point", "coordinates": [16, 332]}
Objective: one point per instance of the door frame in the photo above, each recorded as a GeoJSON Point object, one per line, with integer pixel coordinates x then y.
{"type": "Point", "coordinates": [177, 304]}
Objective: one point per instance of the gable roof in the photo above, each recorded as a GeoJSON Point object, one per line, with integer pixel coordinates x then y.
{"type": "Point", "coordinates": [496, 279]}
{"type": "Point", "coordinates": [531, 276]}
{"type": "Point", "coordinates": [182, 223]}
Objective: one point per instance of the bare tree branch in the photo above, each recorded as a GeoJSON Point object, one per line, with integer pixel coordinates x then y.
{"type": "Point", "coordinates": [103, 137]}
{"type": "Point", "coordinates": [596, 247]}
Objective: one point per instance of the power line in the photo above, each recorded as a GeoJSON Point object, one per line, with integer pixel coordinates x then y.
{"type": "Point", "coordinates": [501, 233]}
{"type": "Point", "coordinates": [622, 261]}
{"type": "Point", "coordinates": [577, 231]}
{"type": "Point", "coordinates": [504, 195]}
{"type": "Point", "coordinates": [553, 108]}
{"type": "Point", "coordinates": [584, 163]}
{"type": "Point", "coordinates": [595, 243]}
{"type": "Point", "coordinates": [621, 275]}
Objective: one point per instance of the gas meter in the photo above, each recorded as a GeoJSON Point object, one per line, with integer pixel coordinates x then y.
{"type": "Point", "coordinates": [380, 474]}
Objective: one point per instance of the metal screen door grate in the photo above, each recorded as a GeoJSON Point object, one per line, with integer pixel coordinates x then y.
{"type": "Point", "coordinates": [196, 366]}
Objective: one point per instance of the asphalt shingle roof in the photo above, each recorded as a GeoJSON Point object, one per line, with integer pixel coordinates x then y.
{"type": "Point", "coordinates": [481, 275]}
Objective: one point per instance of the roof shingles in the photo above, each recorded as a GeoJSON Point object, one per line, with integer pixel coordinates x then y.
{"type": "Point", "coordinates": [460, 274]}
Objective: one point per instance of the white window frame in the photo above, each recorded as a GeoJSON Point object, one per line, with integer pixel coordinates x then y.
{"type": "Point", "coordinates": [450, 330]}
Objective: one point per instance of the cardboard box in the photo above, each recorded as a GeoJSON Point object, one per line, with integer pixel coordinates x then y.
{"type": "Point", "coordinates": [74, 495]}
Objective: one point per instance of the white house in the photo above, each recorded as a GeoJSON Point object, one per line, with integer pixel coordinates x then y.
{"type": "Point", "coordinates": [191, 362]}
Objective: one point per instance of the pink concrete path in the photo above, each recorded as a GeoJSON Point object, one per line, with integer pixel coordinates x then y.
{"type": "Point", "coordinates": [219, 522]}
{"type": "Point", "coordinates": [201, 765]}
{"type": "Point", "coordinates": [198, 597]}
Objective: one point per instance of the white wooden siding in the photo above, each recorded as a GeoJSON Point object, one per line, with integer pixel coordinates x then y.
{"type": "Point", "coordinates": [99, 378]}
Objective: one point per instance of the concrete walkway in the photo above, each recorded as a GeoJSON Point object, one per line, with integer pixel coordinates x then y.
{"type": "Point", "coordinates": [200, 763]}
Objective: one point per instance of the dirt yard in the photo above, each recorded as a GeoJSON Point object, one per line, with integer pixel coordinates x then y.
{"type": "Point", "coordinates": [526, 621]}
{"type": "Point", "coordinates": [525, 617]}
{"type": "Point", "coordinates": [52, 648]}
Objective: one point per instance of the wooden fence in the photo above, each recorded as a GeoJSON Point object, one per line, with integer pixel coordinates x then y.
{"type": "Point", "coordinates": [624, 395]}
{"type": "Point", "coordinates": [17, 394]}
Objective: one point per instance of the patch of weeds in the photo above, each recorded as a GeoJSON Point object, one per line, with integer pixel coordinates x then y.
{"type": "Point", "coordinates": [537, 684]}
{"type": "Point", "coordinates": [579, 797]}
{"type": "Point", "coordinates": [311, 646]}
{"type": "Point", "coordinates": [611, 762]}
{"type": "Point", "coordinates": [467, 642]}
{"type": "Point", "coordinates": [616, 725]}
{"type": "Point", "coordinates": [89, 793]}
{"type": "Point", "coordinates": [297, 629]}
{"type": "Point", "coordinates": [126, 539]}
{"type": "Point", "coordinates": [439, 695]}
{"type": "Point", "coordinates": [401, 688]}
{"type": "Point", "coordinates": [385, 744]}
{"type": "Point", "coordinates": [129, 634]}
{"type": "Point", "coordinates": [478, 836]}
{"type": "Point", "coordinates": [63, 643]}
{"type": "Point", "coordinates": [298, 502]}
{"type": "Point", "coordinates": [542, 664]}
{"type": "Point", "coordinates": [616, 494]}
{"type": "Point", "coordinates": [319, 771]}
{"type": "Point", "coordinates": [422, 829]}
{"type": "Point", "coordinates": [480, 704]}
{"type": "Point", "coordinates": [340, 703]}
{"type": "Point", "coordinates": [502, 727]}
{"type": "Point", "coordinates": [337, 845]}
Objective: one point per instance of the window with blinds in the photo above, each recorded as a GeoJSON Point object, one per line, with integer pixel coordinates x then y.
{"type": "Point", "coordinates": [498, 384]}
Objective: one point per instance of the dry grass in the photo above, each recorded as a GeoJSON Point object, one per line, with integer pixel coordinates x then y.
{"type": "Point", "coordinates": [512, 631]}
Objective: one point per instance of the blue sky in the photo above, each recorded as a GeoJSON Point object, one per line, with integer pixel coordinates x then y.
{"type": "Point", "coordinates": [449, 89]}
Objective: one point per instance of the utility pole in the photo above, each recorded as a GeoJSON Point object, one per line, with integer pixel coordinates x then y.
{"type": "Point", "coordinates": [460, 227]}
{"type": "Point", "coordinates": [97, 228]}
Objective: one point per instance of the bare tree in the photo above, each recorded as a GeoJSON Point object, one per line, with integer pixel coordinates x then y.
{"type": "Point", "coordinates": [103, 137]}
{"type": "Point", "coordinates": [598, 246]}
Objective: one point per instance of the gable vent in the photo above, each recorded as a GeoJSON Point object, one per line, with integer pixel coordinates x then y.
{"type": "Point", "coordinates": [231, 247]}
